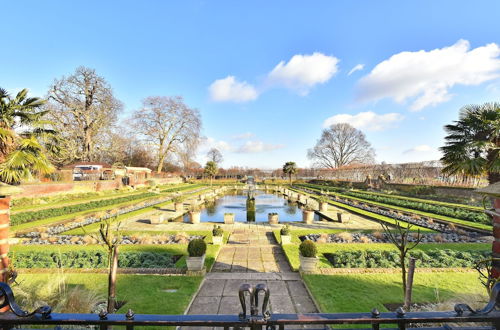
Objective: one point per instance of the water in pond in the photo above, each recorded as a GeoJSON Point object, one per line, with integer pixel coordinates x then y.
{"type": "Point", "coordinates": [236, 202]}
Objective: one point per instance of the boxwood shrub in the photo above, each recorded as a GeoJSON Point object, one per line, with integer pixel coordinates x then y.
{"type": "Point", "coordinates": [23, 217]}
{"type": "Point", "coordinates": [390, 259]}
{"type": "Point", "coordinates": [90, 259]}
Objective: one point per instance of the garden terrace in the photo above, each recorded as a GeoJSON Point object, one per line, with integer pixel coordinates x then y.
{"type": "Point", "coordinates": [69, 221]}
{"type": "Point", "coordinates": [408, 212]}
{"type": "Point", "coordinates": [457, 211]}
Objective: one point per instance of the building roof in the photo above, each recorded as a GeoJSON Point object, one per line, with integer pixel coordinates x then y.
{"type": "Point", "coordinates": [73, 165]}
{"type": "Point", "coordinates": [138, 169]}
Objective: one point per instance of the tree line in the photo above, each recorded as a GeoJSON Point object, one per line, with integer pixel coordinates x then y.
{"type": "Point", "coordinates": [78, 120]}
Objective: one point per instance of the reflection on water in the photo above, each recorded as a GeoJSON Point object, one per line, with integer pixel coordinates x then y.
{"type": "Point", "coordinates": [236, 202]}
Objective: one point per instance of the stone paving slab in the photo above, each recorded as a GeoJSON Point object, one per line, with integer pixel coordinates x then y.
{"type": "Point", "coordinates": [252, 261]}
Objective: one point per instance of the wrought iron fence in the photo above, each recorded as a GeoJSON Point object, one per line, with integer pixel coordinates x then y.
{"type": "Point", "coordinates": [258, 316]}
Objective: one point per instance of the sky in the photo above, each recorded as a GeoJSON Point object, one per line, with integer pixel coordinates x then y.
{"type": "Point", "coordinates": [269, 76]}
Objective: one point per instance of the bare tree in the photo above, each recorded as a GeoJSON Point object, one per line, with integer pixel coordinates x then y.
{"type": "Point", "coordinates": [340, 145]}
{"type": "Point", "coordinates": [82, 107]}
{"type": "Point", "coordinates": [215, 156]}
{"type": "Point", "coordinates": [167, 123]}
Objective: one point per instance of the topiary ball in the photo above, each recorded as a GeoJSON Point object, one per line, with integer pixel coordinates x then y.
{"type": "Point", "coordinates": [197, 247]}
{"type": "Point", "coordinates": [308, 249]}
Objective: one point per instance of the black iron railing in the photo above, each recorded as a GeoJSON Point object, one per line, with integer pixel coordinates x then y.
{"type": "Point", "coordinates": [254, 317]}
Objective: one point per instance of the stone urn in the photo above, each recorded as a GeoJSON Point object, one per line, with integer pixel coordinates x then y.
{"type": "Point", "coordinates": [195, 263]}
{"type": "Point", "coordinates": [273, 218]}
{"type": "Point", "coordinates": [343, 217]}
{"type": "Point", "coordinates": [307, 216]}
{"type": "Point", "coordinates": [228, 218]}
{"type": "Point", "coordinates": [157, 219]}
{"type": "Point", "coordinates": [308, 265]}
{"type": "Point", "coordinates": [286, 239]}
{"type": "Point", "coordinates": [194, 217]}
{"type": "Point", "coordinates": [217, 240]}
{"type": "Point", "coordinates": [323, 206]}
{"type": "Point", "coordinates": [179, 207]}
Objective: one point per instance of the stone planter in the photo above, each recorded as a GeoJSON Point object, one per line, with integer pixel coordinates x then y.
{"type": "Point", "coordinates": [308, 265]}
{"type": "Point", "coordinates": [217, 240]}
{"type": "Point", "coordinates": [308, 217]}
{"type": "Point", "coordinates": [228, 218]}
{"type": "Point", "coordinates": [286, 239]}
{"type": "Point", "coordinates": [343, 217]}
{"type": "Point", "coordinates": [179, 207]}
{"type": "Point", "coordinates": [195, 263]}
{"type": "Point", "coordinates": [323, 207]}
{"type": "Point", "coordinates": [273, 218]}
{"type": "Point", "coordinates": [157, 219]}
{"type": "Point", "coordinates": [194, 216]}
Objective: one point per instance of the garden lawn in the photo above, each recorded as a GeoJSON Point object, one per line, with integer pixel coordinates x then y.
{"type": "Point", "coordinates": [398, 208]}
{"type": "Point", "coordinates": [292, 250]}
{"type": "Point", "coordinates": [145, 294]}
{"type": "Point", "coordinates": [363, 292]}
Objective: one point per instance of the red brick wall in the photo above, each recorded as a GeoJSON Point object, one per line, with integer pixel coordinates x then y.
{"type": "Point", "coordinates": [32, 190]}
{"type": "Point", "coordinates": [496, 243]}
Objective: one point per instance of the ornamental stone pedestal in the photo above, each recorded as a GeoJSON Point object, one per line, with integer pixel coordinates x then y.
{"type": "Point", "coordinates": [493, 191]}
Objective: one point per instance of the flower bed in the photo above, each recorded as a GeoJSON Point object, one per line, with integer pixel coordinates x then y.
{"type": "Point", "coordinates": [95, 258]}
{"type": "Point", "coordinates": [391, 259]}
{"type": "Point", "coordinates": [19, 218]}
{"type": "Point", "coordinates": [180, 238]}
{"type": "Point", "coordinates": [91, 219]}
{"type": "Point", "coordinates": [346, 237]}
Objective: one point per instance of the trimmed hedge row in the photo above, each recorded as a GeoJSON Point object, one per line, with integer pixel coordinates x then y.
{"type": "Point", "coordinates": [448, 211]}
{"type": "Point", "coordinates": [457, 213]}
{"type": "Point", "coordinates": [181, 188]}
{"type": "Point", "coordinates": [19, 218]}
{"type": "Point", "coordinates": [390, 259]}
{"type": "Point", "coordinates": [90, 259]}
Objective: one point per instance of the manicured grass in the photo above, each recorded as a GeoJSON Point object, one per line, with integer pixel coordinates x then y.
{"type": "Point", "coordinates": [363, 292]}
{"type": "Point", "coordinates": [51, 220]}
{"type": "Point", "coordinates": [95, 226]}
{"type": "Point", "coordinates": [421, 213]}
{"type": "Point", "coordinates": [292, 250]}
{"type": "Point", "coordinates": [381, 218]}
{"type": "Point", "coordinates": [143, 293]}
{"type": "Point", "coordinates": [414, 199]}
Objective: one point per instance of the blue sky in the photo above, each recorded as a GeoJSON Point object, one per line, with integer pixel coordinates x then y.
{"type": "Point", "coordinates": [268, 76]}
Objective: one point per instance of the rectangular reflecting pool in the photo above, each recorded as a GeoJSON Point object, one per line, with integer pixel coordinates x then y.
{"type": "Point", "coordinates": [236, 202]}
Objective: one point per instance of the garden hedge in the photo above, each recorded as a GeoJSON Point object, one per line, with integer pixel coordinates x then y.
{"type": "Point", "coordinates": [390, 259]}
{"type": "Point", "coordinates": [90, 259]}
{"type": "Point", "coordinates": [19, 218]}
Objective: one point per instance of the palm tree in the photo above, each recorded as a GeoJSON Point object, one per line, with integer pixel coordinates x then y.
{"type": "Point", "coordinates": [473, 142]}
{"type": "Point", "coordinates": [289, 169]}
{"type": "Point", "coordinates": [211, 170]}
{"type": "Point", "coordinates": [25, 140]}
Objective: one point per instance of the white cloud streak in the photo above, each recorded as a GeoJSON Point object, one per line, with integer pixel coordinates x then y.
{"type": "Point", "coordinates": [358, 67]}
{"type": "Point", "coordinates": [257, 146]}
{"type": "Point", "coordinates": [231, 90]}
{"type": "Point", "coordinates": [369, 120]}
{"type": "Point", "coordinates": [302, 72]}
{"type": "Point", "coordinates": [426, 77]}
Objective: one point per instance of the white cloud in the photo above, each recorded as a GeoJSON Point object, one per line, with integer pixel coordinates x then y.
{"type": "Point", "coordinates": [425, 77]}
{"type": "Point", "coordinates": [358, 67]}
{"type": "Point", "coordinates": [419, 148]}
{"type": "Point", "coordinates": [369, 120]}
{"type": "Point", "coordinates": [229, 89]}
{"type": "Point", "coordinates": [243, 136]}
{"type": "Point", "coordinates": [257, 146]}
{"type": "Point", "coordinates": [209, 143]}
{"type": "Point", "coordinates": [302, 72]}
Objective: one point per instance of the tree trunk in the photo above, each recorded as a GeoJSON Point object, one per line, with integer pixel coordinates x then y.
{"type": "Point", "coordinates": [113, 267]}
{"type": "Point", "coordinates": [211, 177]}
{"type": "Point", "coordinates": [290, 178]}
{"type": "Point", "coordinates": [403, 271]}
{"type": "Point", "coordinates": [492, 177]}
{"type": "Point", "coordinates": [409, 284]}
